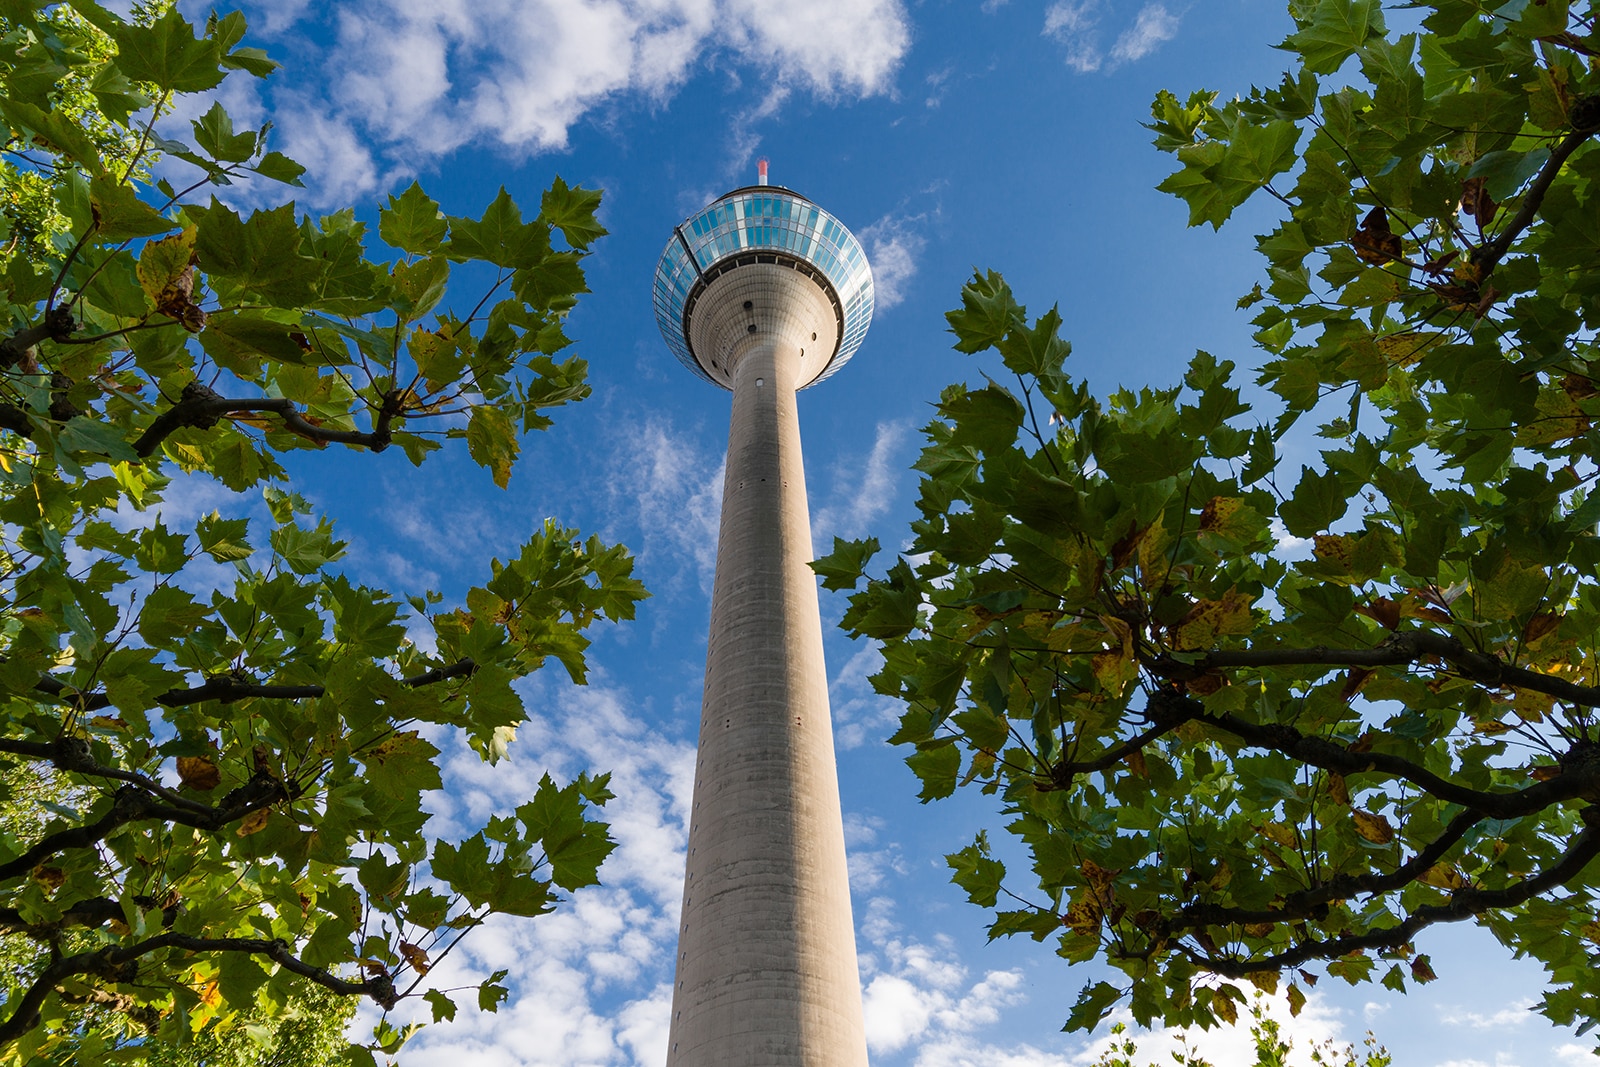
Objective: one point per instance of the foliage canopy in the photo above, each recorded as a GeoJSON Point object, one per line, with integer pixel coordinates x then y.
{"type": "Point", "coordinates": [1253, 719]}
{"type": "Point", "coordinates": [235, 739]}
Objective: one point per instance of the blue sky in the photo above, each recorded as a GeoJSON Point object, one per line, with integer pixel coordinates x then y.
{"type": "Point", "coordinates": [949, 134]}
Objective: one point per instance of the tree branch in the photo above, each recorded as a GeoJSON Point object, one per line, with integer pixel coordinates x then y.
{"type": "Point", "coordinates": [1398, 650]}
{"type": "Point", "coordinates": [1308, 903]}
{"type": "Point", "coordinates": [201, 407]}
{"type": "Point", "coordinates": [1585, 117]}
{"type": "Point", "coordinates": [57, 325]}
{"type": "Point", "coordinates": [1580, 778]}
{"type": "Point", "coordinates": [120, 964]}
{"type": "Point", "coordinates": [1463, 904]}
{"type": "Point", "coordinates": [132, 804]}
{"type": "Point", "coordinates": [226, 689]}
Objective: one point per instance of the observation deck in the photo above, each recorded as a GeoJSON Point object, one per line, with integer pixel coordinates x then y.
{"type": "Point", "coordinates": [773, 226]}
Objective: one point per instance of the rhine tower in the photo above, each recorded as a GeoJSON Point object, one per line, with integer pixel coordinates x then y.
{"type": "Point", "coordinates": [764, 293]}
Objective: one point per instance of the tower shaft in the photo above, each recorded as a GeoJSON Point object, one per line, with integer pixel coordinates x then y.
{"type": "Point", "coordinates": [766, 968]}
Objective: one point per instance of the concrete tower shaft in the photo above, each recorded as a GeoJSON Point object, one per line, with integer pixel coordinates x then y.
{"type": "Point", "coordinates": [766, 973]}
{"type": "Point", "coordinates": [764, 293]}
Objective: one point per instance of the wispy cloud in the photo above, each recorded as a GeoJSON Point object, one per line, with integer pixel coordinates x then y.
{"type": "Point", "coordinates": [1515, 1014]}
{"type": "Point", "coordinates": [860, 713]}
{"type": "Point", "coordinates": [894, 245]}
{"type": "Point", "coordinates": [1154, 25]}
{"type": "Point", "coordinates": [1076, 24]}
{"type": "Point", "coordinates": [670, 490]}
{"type": "Point", "coordinates": [862, 494]}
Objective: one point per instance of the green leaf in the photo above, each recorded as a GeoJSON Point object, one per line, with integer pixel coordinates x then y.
{"type": "Point", "coordinates": [976, 873]}
{"type": "Point", "coordinates": [842, 568]}
{"type": "Point", "coordinates": [1335, 31]}
{"type": "Point", "coordinates": [54, 132]}
{"type": "Point", "coordinates": [242, 341]}
{"type": "Point", "coordinates": [492, 442]}
{"type": "Point", "coordinates": [987, 313]}
{"type": "Point", "coordinates": [120, 215]}
{"type": "Point", "coordinates": [499, 237]}
{"type": "Point", "coordinates": [1094, 1003]}
{"type": "Point", "coordinates": [571, 210]}
{"type": "Point", "coordinates": [213, 132]}
{"type": "Point", "coordinates": [412, 222]}
{"type": "Point", "coordinates": [169, 613]}
{"type": "Point", "coordinates": [224, 540]}
{"type": "Point", "coordinates": [280, 168]}
{"type": "Point", "coordinates": [168, 54]}
{"type": "Point", "coordinates": [444, 1009]}
{"type": "Point", "coordinates": [1319, 501]}
{"type": "Point", "coordinates": [936, 764]}
{"type": "Point", "coordinates": [574, 845]}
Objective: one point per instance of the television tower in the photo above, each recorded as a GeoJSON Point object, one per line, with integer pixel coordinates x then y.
{"type": "Point", "coordinates": [764, 293]}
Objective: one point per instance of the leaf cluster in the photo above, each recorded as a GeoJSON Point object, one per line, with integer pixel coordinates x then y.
{"type": "Point", "coordinates": [1254, 724]}
{"type": "Point", "coordinates": [240, 739]}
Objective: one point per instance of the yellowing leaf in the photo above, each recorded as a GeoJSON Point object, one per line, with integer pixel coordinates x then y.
{"type": "Point", "coordinates": [1297, 999]}
{"type": "Point", "coordinates": [1338, 549]}
{"type": "Point", "coordinates": [1374, 828]}
{"type": "Point", "coordinates": [1442, 876]}
{"type": "Point", "coordinates": [199, 773]}
{"type": "Point", "coordinates": [254, 823]}
{"type": "Point", "coordinates": [1280, 834]}
{"type": "Point", "coordinates": [415, 956]}
{"type": "Point", "coordinates": [1210, 618]}
{"type": "Point", "coordinates": [1338, 791]}
{"type": "Point", "coordinates": [162, 263]}
{"type": "Point", "coordinates": [1404, 349]}
{"type": "Point", "coordinates": [1266, 981]}
{"type": "Point", "coordinates": [1222, 1007]}
{"type": "Point", "coordinates": [1083, 916]}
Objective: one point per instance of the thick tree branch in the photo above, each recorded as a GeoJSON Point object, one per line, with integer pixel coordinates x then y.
{"type": "Point", "coordinates": [1063, 772]}
{"type": "Point", "coordinates": [1313, 903]}
{"type": "Point", "coordinates": [200, 407]}
{"type": "Point", "coordinates": [228, 689]}
{"type": "Point", "coordinates": [1585, 117]}
{"type": "Point", "coordinates": [120, 964]}
{"type": "Point", "coordinates": [1398, 650]}
{"type": "Point", "coordinates": [1579, 779]}
{"type": "Point", "coordinates": [57, 325]}
{"type": "Point", "coordinates": [1463, 904]}
{"type": "Point", "coordinates": [96, 911]}
{"type": "Point", "coordinates": [132, 804]}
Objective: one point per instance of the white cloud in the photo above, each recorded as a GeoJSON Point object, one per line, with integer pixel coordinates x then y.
{"type": "Point", "coordinates": [1154, 25]}
{"type": "Point", "coordinates": [920, 994]}
{"type": "Point", "coordinates": [1076, 24]}
{"type": "Point", "coordinates": [894, 244]}
{"type": "Point", "coordinates": [590, 981]}
{"type": "Point", "coordinates": [1518, 1013]}
{"type": "Point", "coordinates": [424, 77]}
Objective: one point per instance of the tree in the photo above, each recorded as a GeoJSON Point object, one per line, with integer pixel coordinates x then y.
{"type": "Point", "coordinates": [1248, 724]}
{"type": "Point", "coordinates": [234, 774]}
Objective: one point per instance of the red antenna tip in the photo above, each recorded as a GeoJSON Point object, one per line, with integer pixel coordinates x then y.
{"type": "Point", "coordinates": [761, 171]}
